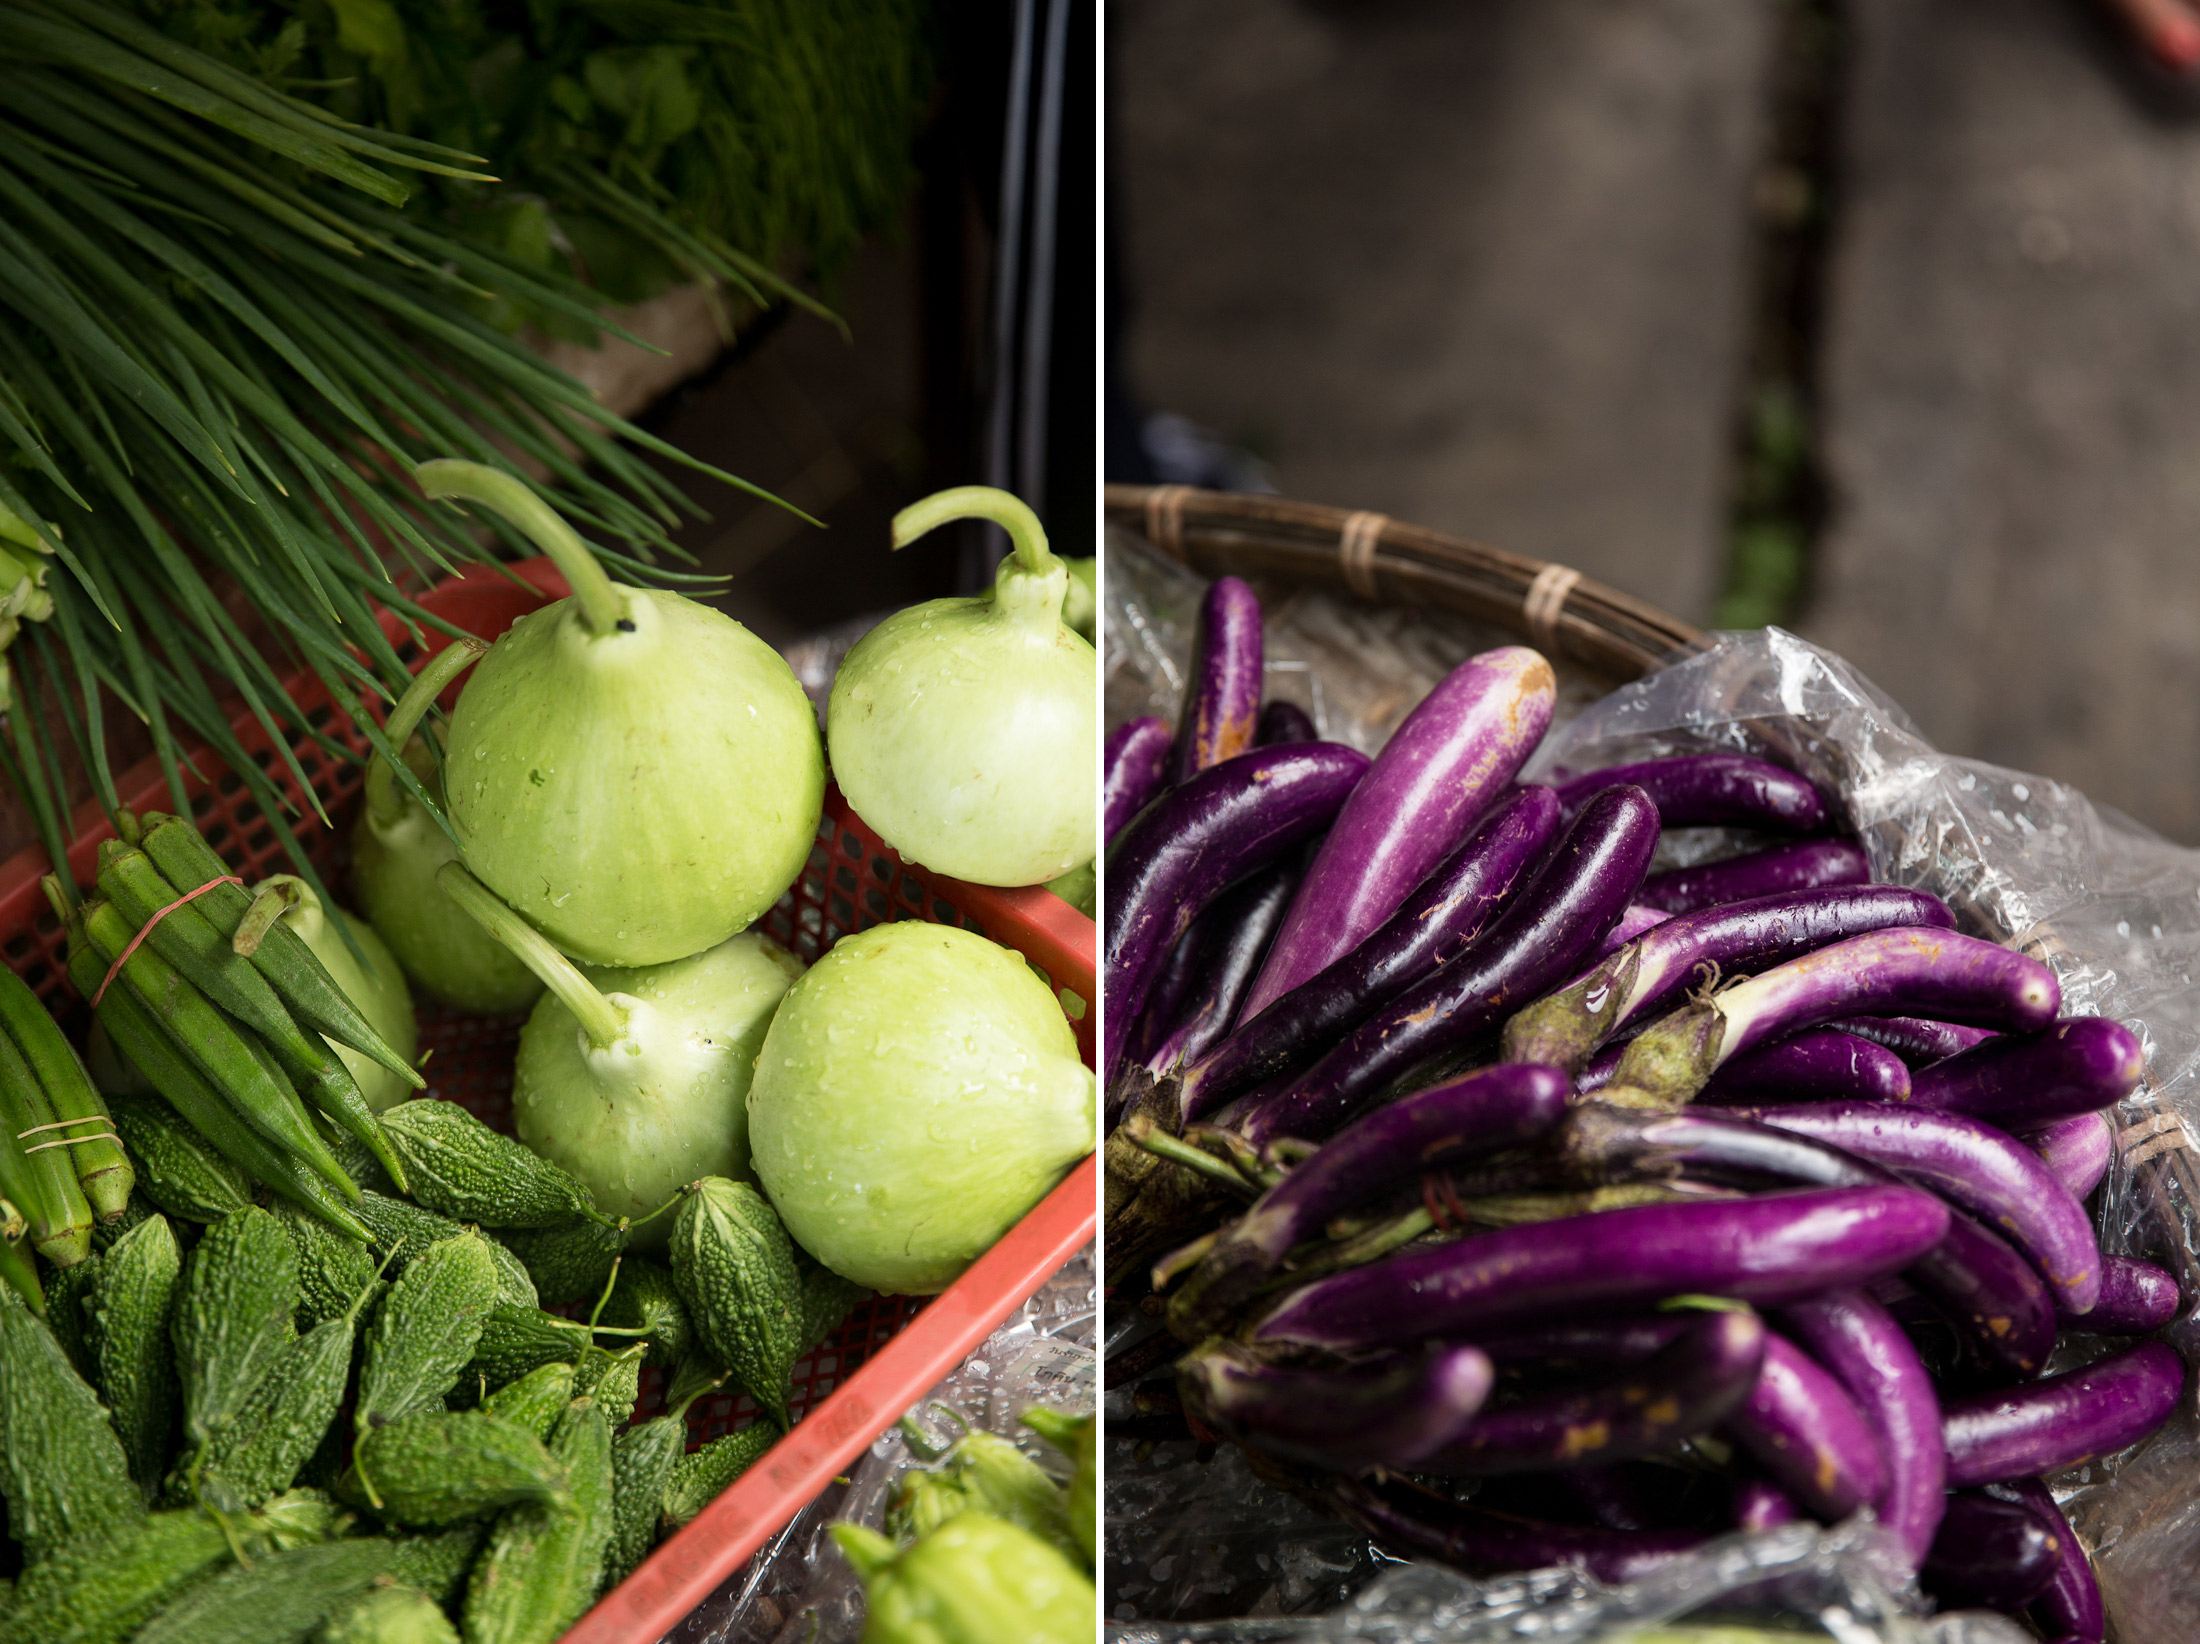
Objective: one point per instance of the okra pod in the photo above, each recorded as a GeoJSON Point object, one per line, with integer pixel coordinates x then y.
{"type": "Point", "coordinates": [17, 1270]}
{"type": "Point", "coordinates": [102, 1169]}
{"type": "Point", "coordinates": [38, 1175]}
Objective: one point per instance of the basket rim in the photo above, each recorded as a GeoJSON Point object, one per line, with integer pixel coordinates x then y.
{"type": "Point", "coordinates": [1383, 560]}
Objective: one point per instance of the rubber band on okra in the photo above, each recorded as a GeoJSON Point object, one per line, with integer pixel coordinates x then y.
{"type": "Point", "coordinates": [123, 958]}
{"type": "Point", "coordinates": [74, 1141]}
{"type": "Point", "coordinates": [63, 1124]}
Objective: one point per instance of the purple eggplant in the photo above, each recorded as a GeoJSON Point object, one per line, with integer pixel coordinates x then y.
{"type": "Point", "coordinates": [1692, 949]}
{"type": "Point", "coordinates": [1712, 790]}
{"type": "Point", "coordinates": [1135, 768]}
{"type": "Point", "coordinates": [1196, 996]}
{"type": "Point", "coordinates": [1453, 755]}
{"type": "Point", "coordinates": [1802, 1427]}
{"type": "Point", "coordinates": [1282, 722]}
{"type": "Point", "coordinates": [1222, 688]}
{"type": "Point", "coordinates": [1958, 977]}
{"type": "Point", "coordinates": [2137, 1298]}
{"type": "Point", "coordinates": [1579, 1343]}
{"type": "Point", "coordinates": [2047, 1425]}
{"type": "Point", "coordinates": [2080, 1065]}
{"type": "Point", "coordinates": [1641, 1409]}
{"type": "Point", "coordinates": [1187, 848]}
{"type": "Point", "coordinates": [1496, 1107]}
{"type": "Point", "coordinates": [1917, 1041]}
{"type": "Point", "coordinates": [1633, 923]}
{"type": "Point", "coordinates": [1982, 1169]}
{"type": "Point", "coordinates": [1990, 1554]}
{"type": "Point", "coordinates": [1542, 935]}
{"type": "Point", "coordinates": [1393, 1411]}
{"type": "Point", "coordinates": [1433, 927]}
{"type": "Point", "coordinates": [1413, 1521]}
{"type": "Point", "coordinates": [1773, 1248]}
{"type": "Point", "coordinates": [2069, 1609]}
{"type": "Point", "coordinates": [1808, 864]}
{"type": "Point", "coordinates": [2076, 1150]}
{"type": "Point", "coordinates": [1859, 1341]}
{"type": "Point", "coordinates": [1984, 1289]}
{"type": "Point", "coordinates": [1816, 1065]}
{"type": "Point", "coordinates": [1762, 1505]}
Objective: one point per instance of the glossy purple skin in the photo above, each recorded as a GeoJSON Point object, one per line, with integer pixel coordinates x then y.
{"type": "Point", "coordinates": [1223, 684]}
{"type": "Point", "coordinates": [1774, 1248]}
{"type": "Point", "coordinates": [1633, 923]}
{"type": "Point", "coordinates": [1860, 1343]}
{"type": "Point", "coordinates": [2137, 1299]}
{"type": "Point", "coordinates": [1800, 1425]}
{"type": "Point", "coordinates": [2077, 1150]}
{"type": "Point", "coordinates": [1682, 952]}
{"type": "Point", "coordinates": [1984, 1170]}
{"type": "Point", "coordinates": [1816, 1065]}
{"type": "Point", "coordinates": [1917, 1041]}
{"type": "Point", "coordinates": [1990, 1554]}
{"type": "Point", "coordinates": [1542, 934]}
{"type": "Point", "coordinates": [1389, 1412]}
{"type": "Point", "coordinates": [1713, 790]}
{"type": "Point", "coordinates": [1192, 844]}
{"type": "Point", "coordinates": [1455, 753]}
{"type": "Point", "coordinates": [1284, 722]}
{"type": "Point", "coordinates": [2047, 1425]}
{"type": "Point", "coordinates": [1645, 1408]}
{"type": "Point", "coordinates": [1759, 1505]}
{"type": "Point", "coordinates": [1196, 997]}
{"type": "Point", "coordinates": [1413, 1522]}
{"type": "Point", "coordinates": [2069, 1610]}
{"type": "Point", "coordinates": [1432, 927]}
{"type": "Point", "coordinates": [2080, 1065]}
{"type": "Point", "coordinates": [1808, 864]}
{"type": "Point", "coordinates": [1134, 767]}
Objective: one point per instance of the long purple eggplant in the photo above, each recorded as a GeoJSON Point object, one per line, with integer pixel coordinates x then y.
{"type": "Point", "coordinates": [1779, 870]}
{"type": "Point", "coordinates": [1990, 1554]}
{"type": "Point", "coordinates": [1691, 949]}
{"type": "Point", "coordinates": [1577, 1344]}
{"type": "Point", "coordinates": [1222, 688]}
{"type": "Point", "coordinates": [1134, 768]}
{"type": "Point", "coordinates": [1431, 928]}
{"type": "Point", "coordinates": [1916, 1040]}
{"type": "Point", "coordinates": [1987, 1292]}
{"type": "Point", "coordinates": [1816, 1065]}
{"type": "Point", "coordinates": [1774, 1248]}
{"type": "Point", "coordinates": [1982, 1169]}
{"type": "Point", "coordinates": [1633, 923]}
{"type": "Point", "coordinates": [2080, 1065]}
{"type": "Point", "coordinates": [2047, 1425]}
{"type": "Point", "coordinates": [1957, 977]}
{"type": "Point", "coordinates": [1394, 1411]}
{"type": "Point", "coordinates": [2137, 1298]}
{"type": "Point", "coordinates": [1494, 1108]}
{"type": "Point", "coordinates": [1201, 985]}
{"type": "Point", "coordinates": [1802, 1427]}
{"type": "Point", "coordinates": [1453, 755]}
{"type": "Point", "coordinates": [1712, 790]}
{"type": "Point", "coordinates": [2076, 1149]}
{"type": "Point", "coordinates": [1184, 850]}
{"type": "Point", "coordinates": [1282, 722]}
{"type": "Point", "coordinates": [1542, 935]}
{"type": "Point", "coordinates": [1647, 1408]}
{"type": "Point", "coordinates": [2069, 1610]}
{"type": "Point", "coordinates": [1413, 1521]}
{"type": "Point", "coordinates": [1859, 1341]}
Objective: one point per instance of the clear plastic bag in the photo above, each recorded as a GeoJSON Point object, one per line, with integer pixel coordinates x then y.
{"type": "Point", "coordinates": [2024, 860]}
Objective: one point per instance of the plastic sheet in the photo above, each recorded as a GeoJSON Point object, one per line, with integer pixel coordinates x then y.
{"type": "Point", "coordinates": [2024, 860]}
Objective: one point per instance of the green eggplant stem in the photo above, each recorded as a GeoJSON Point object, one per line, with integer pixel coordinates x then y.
{"type": "Point", "coordinates": [600, 1019]}
{"type": "Point", "coordinates": [385, 801]}
{"type": "Point", "coordinates": [1025, 534]}
{"type": "Point", "coordinates": [1143, 1132]}
{"type": "Point", "coordinates": [271, 899]}
{"type": "Point", "coordinates": [448, 479]}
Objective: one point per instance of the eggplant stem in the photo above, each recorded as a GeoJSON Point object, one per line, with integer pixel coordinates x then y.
{"type": "Point", "coordinates": [1182, 1259]}
{"type": "Point", "coordinates": [385, 803]}
{"type": "Point", "coordinates": [1153, 1139]}
{"type": "Point", "coordinates": [271, 899]}
{"type": "Point", "coordinates": [448, 479]}
{"type": "Point", "coordinates": [600, 1019]}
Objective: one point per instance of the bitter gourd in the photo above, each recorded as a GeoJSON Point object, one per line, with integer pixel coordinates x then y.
{"type": "Point", "coordinates": [544, 1563]}
{"type": "Point", "coordinates": [62, 1470]}
{"type": "Point", "coordinates": [235, 1314]}
{"type": "Point", "coordinates": [647, 1300]}
{"type": "Point", "coordinates": [700, 1476]}
{"type": "Point", "coordinates": [735, 1267]}
{"type": "Point", "coordinates": [128, 1311]}
{"type": "Point", "coordinates": [389, 1615]}
{"type": "Point", "coordinates": [178, 1169]}
{"type": "Point", "coordinates": [433, 1469]}
{"type": "Point", "coordinates": [533, 1401]}
{"type": "Point", "coordinates": [278, 1599]}
{"type": "Point", "coordinates": [466, 1170]}
{"type": "Point", "coordinates": [426, 1328]}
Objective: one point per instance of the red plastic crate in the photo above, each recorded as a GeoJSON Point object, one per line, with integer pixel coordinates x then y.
{"type": "Point", "coordinates": [892, 1349]}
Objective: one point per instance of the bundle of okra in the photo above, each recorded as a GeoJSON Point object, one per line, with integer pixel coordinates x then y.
{"type": "Point", "coordinates": [293, 1366]}
{"type": "Point", "coordinates": [1531, 1207]}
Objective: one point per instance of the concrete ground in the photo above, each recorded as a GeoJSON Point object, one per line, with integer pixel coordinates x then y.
{"type": "Point", "coordinates": [1501, 269]}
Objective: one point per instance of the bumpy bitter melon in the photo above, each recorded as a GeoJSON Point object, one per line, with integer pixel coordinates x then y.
{"type": "Point", "coordinates": [544, 1563]}
{"type": "Point", "coordinates": [735, 1266]}
{"type": "Point", "coordinates": [127, 1313]}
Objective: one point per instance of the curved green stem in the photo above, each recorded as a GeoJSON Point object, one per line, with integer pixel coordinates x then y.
{"type": "Point", "coordinates": [384, 802]}
{"type": "Point", "coordinates": [1025, 534]}
{"type": "Point", "coordinates": [445, 479]}
{"type": "Point", "coordinates": [271, 899]}
{"type": "Point", "coordinates": [600, 1019]}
